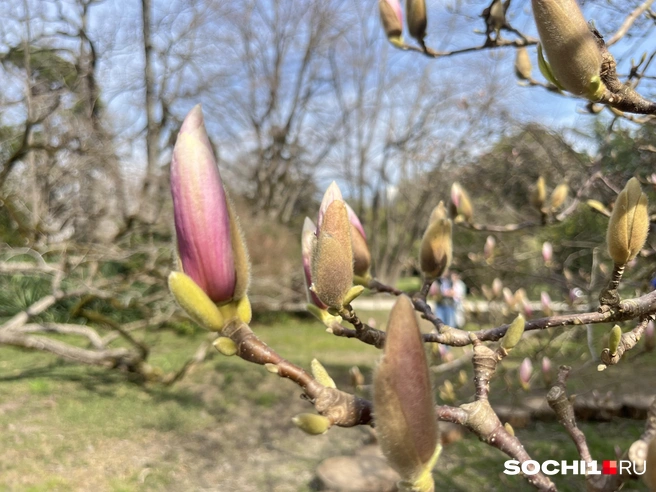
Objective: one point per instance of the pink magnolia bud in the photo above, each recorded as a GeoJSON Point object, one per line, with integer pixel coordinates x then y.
{"type": "Point", "coordinates": [508, 297]}
{"type": "Point", "coordinates": [460, 203]}
{"type": "Point", "coordinates": [522, 303]}
{"type": "Point", "coordinates": [210, 247]}
{"type": "Point", "coordinates": [497, 287]}
{"type": "Point", "coordinates": [525, 371]}
{"type": "Point", "coordinates": [392, 19]}
{"type": "Point", "coordinates": [308, 239]}
{"type": "Point", "coordinates": [547, 252]}
{"type": "Point", "coordinates": [488, 249]}
{"type": "Point", "coordinates": [545, 301]}
{"type": "Point", "coordinates": [546, 370]}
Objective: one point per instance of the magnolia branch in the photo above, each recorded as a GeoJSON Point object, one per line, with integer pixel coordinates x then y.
{"type": "Point", "coordinates": [500, 43]}
{"type": "Point", "coordinates": [628, 22]}
{"type": "Point", "coordinates": [347, 410]}
{"type": "Point", "coordinates": [626, 310]}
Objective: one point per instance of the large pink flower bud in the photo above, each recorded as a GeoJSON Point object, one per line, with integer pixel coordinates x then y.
{"type": "Point", "coordinates": [404, 406]}
{"type": "Point", "coordinates": [332, 258]}
{"type": "Point", "coordinates": [210, 245]}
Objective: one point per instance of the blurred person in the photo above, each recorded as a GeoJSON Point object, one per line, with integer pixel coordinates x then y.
{"type": "Point", "coordinates": [458, 291]}
{"type": "Point", "coordinates": [442, 289]}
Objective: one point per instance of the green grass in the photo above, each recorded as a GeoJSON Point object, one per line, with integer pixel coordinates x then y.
{"type": "Point", "coordinates": [227, 426]}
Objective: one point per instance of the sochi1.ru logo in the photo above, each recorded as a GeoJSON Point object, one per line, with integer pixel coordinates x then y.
{"type": "Point", "coordinates": [553, 467]}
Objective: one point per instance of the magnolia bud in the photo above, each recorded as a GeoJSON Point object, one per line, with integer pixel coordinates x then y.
{"type": "Point", "coordinates": [547, 252]}
{"type": "Point", "coordinates": [488, 249]}
{"type": "Point", "coordinates": [462, 377]}
{"type": "Point", "coordinates": [416, 12]}
{"type": "Point", "coordinates": [497, 287]}
{"type": "Point", "coordinates": [460, 203]}
{"type": "Point", "coordinates": [508, 297]}
{"type": "Point", "coordinates": [614, 339]}
{"type": "Point", "coordinates": [520, 296]}
{"type": "Point", "coordinates": [403, 400]}
{"type": "Point", "coordinates": [447, 392]}
{"type": "Point", "coordinates": [514, 333]}
{"type": "Point", "coordinates": [598, 206]}
{"type": "Point", "coordinates": [436, 245]}
{"type": "Point", "coordinates": [210, 244]}
{"type": "Point", "coordinates": [539, 194]}
{"type": "Point", "coordinates": [628, 226]}
{"type": "Point", "coordinates": [523, 64]}
{"type": "Point", "coordinates": [332, 260]}
{"type": "Point", "coordinates": [225, 346]}
{"type": "Point", "coordinates": [546, 370]}
{"type": "Point", "coordinates": [321, 375]}
{"type": "Point", "coordinates": [312, 424]}
{"type": "Point", "coordinates": [525, 371]}
{"type": "Point", "coordinates": [558, 196]}
{"type": "Point", "coordinates": [392, 19]}
{"type": "Point", "coordinates": [574, 58]}
{"type": "Point", "coordinates": [545, 301]}
{"type": "Point", "coordinates": [509, 429]}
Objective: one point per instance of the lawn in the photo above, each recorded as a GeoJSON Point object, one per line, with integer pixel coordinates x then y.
{"type": "Point", "coordinates": [227, 427]}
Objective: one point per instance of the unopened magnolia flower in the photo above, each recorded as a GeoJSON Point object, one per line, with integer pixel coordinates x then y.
{"type": "Point", "coordinates": [514, 333]}
{"type": "Point", "coordinates": [436, 245]}
{"type": "Point", "coordinates": [547, 252]}
{"type": "Point", "coordinates": [210, 246]}
{"type": "Point", "coordinates": [628, 226]}
{"type": "Point", "coordinates": [525, 371]}
{"type": "Point", "coordinates": [488, 249]}
{"type": "Point", "coordinates": [460, 203]}
{"type": "Point", "coordinates": [361, 254]}
{"type": "Point", "coordinates": [497, 287]}
{"type": "Point", "coordinates": [558, 196]}
{"type": "Point", "coordinates": [539, 194]}
{"type": "Point", "coordinates": [571, 49]}
{"type": "Point", "coordinates": [416, 14]}
{"type": "Point", "coordinates": [546, 370]}
{"type": "Point", "coordinates": [614, 339]}
{"type": "Point", "coordinates": [508, 297]}
{"type": "Point", "coordinates": [522, 302]}
{"type": "Point", "coordinates": [404, 407]}
{"type": "Point", "coordinates": [332, 258]}
{"type": "Point", "coordinates": [545, 302]}
{"type": "Point", "coordinates": [392, 19]}
{"type": "Point", "coordinates": [523, 66]}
